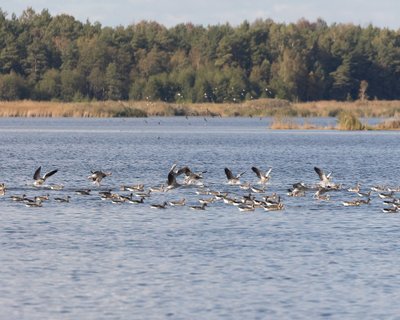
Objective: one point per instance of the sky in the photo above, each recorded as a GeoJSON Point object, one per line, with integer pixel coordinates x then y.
{"type": "Point", "coordinates": [383, 13]}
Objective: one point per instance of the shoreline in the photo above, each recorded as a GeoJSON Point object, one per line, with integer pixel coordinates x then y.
{"type": "Point", "coordinates": [283, 112]}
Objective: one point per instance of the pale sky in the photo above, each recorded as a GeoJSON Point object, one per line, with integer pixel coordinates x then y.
{"type": "Point", "coordinates": [383, 13]}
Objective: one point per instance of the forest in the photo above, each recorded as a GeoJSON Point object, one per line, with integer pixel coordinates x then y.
{"type": "Point", "coordinates": [58, 58]}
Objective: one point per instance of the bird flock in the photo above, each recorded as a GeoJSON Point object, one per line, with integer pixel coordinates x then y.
{"type": "Point", "coordinates": [246, 196]}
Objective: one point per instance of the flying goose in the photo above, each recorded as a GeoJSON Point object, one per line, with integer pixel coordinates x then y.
{"type": "Point", "coordinates": [172, 183]}
{"type": "Point", "coordinates": [97, 176]}
{"type": "Point", "coordinates": [231, 178]}
{"type": "Point", "coordinates": [190, 176]}
{"type": "Point", "coordinates": [325, 180]}
{"type": "Point", "coordinates": [263, 176]}
{"type": "Point", "coordinates": [39, 180]}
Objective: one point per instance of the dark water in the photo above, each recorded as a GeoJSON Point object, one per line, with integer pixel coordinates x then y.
{"type": "Point", "coordinates": [92, 259]}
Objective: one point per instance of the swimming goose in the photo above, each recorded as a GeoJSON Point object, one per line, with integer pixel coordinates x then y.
{"type": "Point", "coordinates": [351, 203]}
{"type": "Point", "coordinates": [298, 190]}
{"type": "Point", "coordinates": [202, 207]}
{"type": "Point", "coordinates": [177, 203]}
{"type": "Point", "coordinates": [263, 176]}
{"type": "Point", "coordinates": [135, 201]}
{"type": "Point", "coordinates": [246, 207]}
{"type": "Point", "coordinates": [56, 187]}
{"type": "Point", "coordinates": [84, 192]}
{"type": "Point", "coordinates": [275, 207]}
{"type": "Point", "coordinates": [231, 178]}
{"type": "Point", "coordinates": [135, 187]}
{"type": "Point", "coordinates": [34, 204]}
{"type": "Point", "coordinates": [18, 198]}
{"type": "Point", "coordinates": [97, 176]}
{"type": "Point", "coordinates": [66, 199]}
{"type": "Point", "coordinates": [390, 210]}
{"type": "Point", "coordinates": [383, 195]}
{"type": "Point", "coordinates": [39, 180]}
{"type": "Point", "coordinates": [2, 189]}
{"type": "Point", "coordinates": [356, 188]}
{"type": "Point", "coordinates": [159, 206]}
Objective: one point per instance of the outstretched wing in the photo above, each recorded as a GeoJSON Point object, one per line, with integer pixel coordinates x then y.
{"type": "Point", "coordinates": [321, 174]}
{"type": "Point", "coordinates": [256, 171]}
{"type": "Point", "coordinates": [36, 175]}
{"type": "Point", "coordinates": [49, 174]}
{"type": "Point", "coordinates": [229, 174]}
{"type": "Point", "coordinates": [171, 179]}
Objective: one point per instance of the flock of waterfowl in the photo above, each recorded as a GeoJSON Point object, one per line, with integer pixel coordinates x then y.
{"type": "Point", "coordinates": [245, 196]}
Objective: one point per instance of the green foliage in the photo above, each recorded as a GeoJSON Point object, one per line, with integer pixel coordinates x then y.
{"type": "Point", "coordinates": [13, 87]}
{"type": "Point", "coordinates": [57, 57]}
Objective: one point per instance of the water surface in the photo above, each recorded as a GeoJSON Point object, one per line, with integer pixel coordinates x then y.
{"type": "Point", "coordinates": [92, 259]}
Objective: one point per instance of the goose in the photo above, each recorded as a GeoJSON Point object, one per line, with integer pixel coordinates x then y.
{"type": "Point", "coordinates": [57, 187]}
{"type": "Point", "coordinates": [263, 176]}
{"type": "Point", "coordinates": [246, 208]}
{"type": "Point", "coordinates": [202, 207]}
{"type": "Point", "coordinates": [390, 210]}
{"type": "Point", "coordinates": [231, 178]}
{"type": "Point", "coordinates": [172, 183]}
{"type": "Point", "coordinates": [135, 187]}
{"type": "Point", "coordinates": [136, 201]}
{"type": "Point", "coordinates": [34, 204]}
{"type": "Point", "coordinates": [159, 206]}
{"type": "Point", "coordinates": [364, 194]}
{"type": "Point", "coordinates": [207, 200]}
{"type": "Point", "coordinates": [245, 186]}
{"type": "Point", "coordinates": [66, 199]}
{"type": "Point", "coordinates": [383, 195]}
{"type": "Point", "coordinates": [190, 176]}
{"type": "Point", "coordinates": [160, 188]}
{"type": "Point", "coordinates": [325, 180]}
{"type": "Point", "coordinates": [177, 203]}
{"type": "Point", "coordinates": [362, 201]}
{"type": "Point", "coordinates": [257, 190]}
{"type": "Point", "coordinates": [39, 180]}
{"type": "Point", "coordinates": [356, 188]}
{"type": "Point", "coordinates": [43, 197]}
{"type": "Point", "coordinates": [97, 176]}
{"type": "Point", "coordinates": [354, 203]}
{"type": "Point", "coordinates": [84, 192]}
{"type": "Point", "coordinates": [276, 207]}
{"type": "Point", "coordinates": [298, 190]}
{"type": "Point", "coordinates": [18, 198]}
{"type": "Point", "coordinates": [2, 189]}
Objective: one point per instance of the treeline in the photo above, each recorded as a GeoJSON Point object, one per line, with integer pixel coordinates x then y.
{"type": "Point", "coordinates": [44, 57]}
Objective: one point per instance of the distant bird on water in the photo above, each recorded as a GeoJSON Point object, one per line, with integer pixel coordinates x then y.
{"type": "Point", "coordinates": [39, 180]}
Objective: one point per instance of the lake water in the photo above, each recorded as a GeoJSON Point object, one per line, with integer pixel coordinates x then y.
{"type": "Point", "coordinates": [93, 259]}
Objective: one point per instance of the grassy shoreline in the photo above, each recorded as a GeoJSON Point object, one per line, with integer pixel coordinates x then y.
{"type": "Point", "coordinates": [281, 110]}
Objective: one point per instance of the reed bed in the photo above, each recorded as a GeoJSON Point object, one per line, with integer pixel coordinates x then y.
{"type": "Point", "coordinates": [282, 111]}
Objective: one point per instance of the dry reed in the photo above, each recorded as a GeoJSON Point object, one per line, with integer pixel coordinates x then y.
{"type": "Point", "coordinates": [256, 108]}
